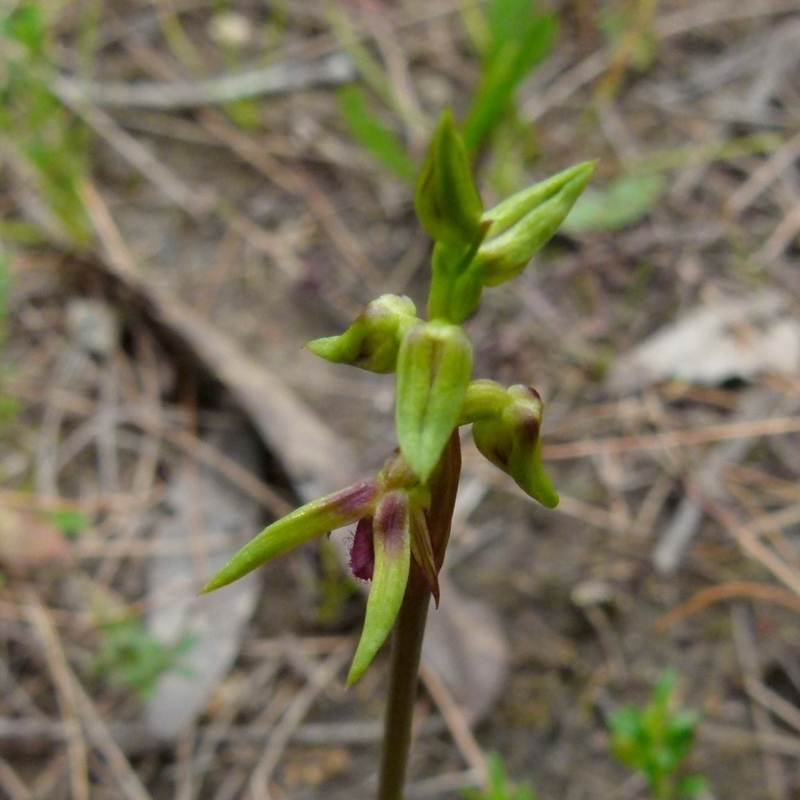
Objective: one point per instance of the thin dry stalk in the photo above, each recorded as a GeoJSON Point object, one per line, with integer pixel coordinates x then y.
{"type": "Point", "coordinates": [61, 673]}
{"type": "Point", "coordinates": [301, 704]}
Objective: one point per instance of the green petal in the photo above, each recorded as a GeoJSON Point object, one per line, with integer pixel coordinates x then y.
{"type": "Point", "coordinates": [434, 367]}
{"type": "Point", "coordinates": [313, 519]}
{"type": "Point", "coordinates": [391, 527]}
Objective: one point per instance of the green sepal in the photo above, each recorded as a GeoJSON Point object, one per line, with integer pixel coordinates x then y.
{"type": "Point", "coordinates": [484, 400]}
{"type": "Point", "coordinates": [372, 341]}
{"type": "Point", "coordinates": [434, 367]}
{"type": "Point", "coordinates": [422, 550]}
{"type": "Point", "coordinates": [391, 535]}
{"type": "Point", "coordinates": [446, 199]}
{"type": "Point", "coordinates": [313, 519]}
{"type": "Point", "coordinates": [511, 442]}
{"type": "Point", "coordinates": [522, 224]}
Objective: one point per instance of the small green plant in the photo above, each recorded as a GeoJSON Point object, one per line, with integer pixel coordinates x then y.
{"type": "Point", "coordinates": [131, 658]}
{"type": "Point", "coordinates": [511, 38]}
{"type": "Point", "coordinates": [500, 788]}
{"type": "Point", "coordinates": [49, 147]}
{"type": "Point", "coordinates": [656, 740]}
{"type": "Point", "coordinates": [403, 513]}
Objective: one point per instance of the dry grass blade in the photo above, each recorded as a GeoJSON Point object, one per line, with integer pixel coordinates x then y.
{"type": "Point", "coordinates": [776, 426]}
{"type": "Point", "coordinates": [746, 649]}
{"type": "Point", "coordinates": [291, 719]}
{"type": "Point", "coordinates": [727, 591]}
{"type": "Point", "coordinates": [68, 703]}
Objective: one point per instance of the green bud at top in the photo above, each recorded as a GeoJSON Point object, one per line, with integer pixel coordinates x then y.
{"type": "Point", "coordinates": [521, 225]}
{"type": "Point", "coordinates": [434, 367]}
{"type": "Point", "coordinates": [446, 198]}
{"type": "Point", "coordinates": [510, 440]}
{"type": "Point", "coordinates": [372, 341]}
{"type": "Point", "coordinates": [392, 542]}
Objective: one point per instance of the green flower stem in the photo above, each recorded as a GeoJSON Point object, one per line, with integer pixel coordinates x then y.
{"type": "Point", "coordinates": [409, 630]}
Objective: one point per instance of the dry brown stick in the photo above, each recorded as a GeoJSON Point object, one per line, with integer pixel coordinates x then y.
{"type": "Point", "coordinates": [332, 69]}
{"type": "Point", "coordinates": [667, 26]}
{"type": "Point", "coordinates": [290, 720]}
{"type": "Point", "coordinates": [97, 730]}
{"type": "Point", "coordinates": [727, 591]}
{"type": "Point", "coordinates": [677, 536]}
{"type": "Point", "coordinates": [207, 455]}
{"type": "Point", "coordinates": [744, 739]}
{"type": "Point", "coordinates": [87, 505]}
{"type": "Point", "coordinates": [456, 721]}
{"type": "Point", "coordinates": [193, 200]}
{"type": "Point", "coordinates": [297, 183]}
{"type": "Point", "coordinates": [12, 784]}
{"type": "Point", "coordinates": [750, 543]}
{"type": "Point", "coordinates": [746, 649]}
{"type": "Point", "coordinates": [144, 477]}
{"type": "Point", "coordinates": [780, 238]}
{"type": "Point", "coordinates": [775, 426]}
{"type": "Point", "coordinates": [61, 674]}
{"type": "Point", "coordinates": [763, 176]}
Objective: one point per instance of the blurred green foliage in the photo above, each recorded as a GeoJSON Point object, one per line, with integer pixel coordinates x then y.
{"type": "Point", "coordinates": [511, 37]}
{"type": "Point", "coordinates": [656, 740]}
{"type": "Point", "coordinates": [48, 146]}
{"type": "Point", "coordinates": [500, 788]}
{"type": "Point", "coordinates": [131, 658]}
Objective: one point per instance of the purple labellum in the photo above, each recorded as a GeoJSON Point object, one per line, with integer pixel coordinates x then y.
{"type": "Point", "coordinates": [362, 551]}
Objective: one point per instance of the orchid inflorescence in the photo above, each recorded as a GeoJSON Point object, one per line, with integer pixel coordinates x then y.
{"type": "Point", "coordinates": [435, 392]}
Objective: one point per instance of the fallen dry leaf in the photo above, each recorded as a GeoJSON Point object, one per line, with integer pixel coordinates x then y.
{"type": "Point", "coordinates": [27, 540]}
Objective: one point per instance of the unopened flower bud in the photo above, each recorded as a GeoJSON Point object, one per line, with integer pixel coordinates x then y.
{"type": "Point", "coordinates": [511, 442]}
{"type": "Point", "coordinates": [434, 367]}
{"type": "Point", "coordinates": [446, 198]}
{"type": "Point", "coordinates": [523, 224]}
{"type": "Point", "coordinates": [372, 341]}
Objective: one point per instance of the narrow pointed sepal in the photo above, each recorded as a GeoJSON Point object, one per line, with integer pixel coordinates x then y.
{"type": "Point", "coordinates": [434, 367]}
{"type": "Point", "coordinates": [372, 341]}
{"type": "Point", "coordinates": [422, 550]}
{"type": "Point", "coordinates": [524, 223]}
{"type": "Point", "coordinates": [313, 519]}
{"type": "Point", "coordinates": [511, 442]}
{"type": "Point", "coordinates": [392, 540]}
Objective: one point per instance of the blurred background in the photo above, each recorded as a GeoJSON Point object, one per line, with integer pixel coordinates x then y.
{"type": "Point", "coordinates": [190, 190]}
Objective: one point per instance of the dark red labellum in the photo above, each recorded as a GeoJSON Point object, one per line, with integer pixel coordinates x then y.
{"type": "Point", "coordinates": [362, 551]}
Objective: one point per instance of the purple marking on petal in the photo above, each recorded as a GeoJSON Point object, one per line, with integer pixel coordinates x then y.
{"type": "Point", "coordinates": [356, 498]}
{"type": "Point", "coordinates": [391, 517]}
{"type": "Point", "coordinates": [362, 551]}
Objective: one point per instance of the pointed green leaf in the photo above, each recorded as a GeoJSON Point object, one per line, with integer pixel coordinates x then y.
{"type": "Point", "coordinates": [391, 529]}
{"type": "Point", "coordinates": [373, 135]}
{"type": "Point", "coordinates": [446, 198]}
{"type": "Point", "coordinates": [520, 37]}
{"type": "Point", "coordinates": [434, 367]}
{"type": "Point", "coordinates": [313, 519]}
